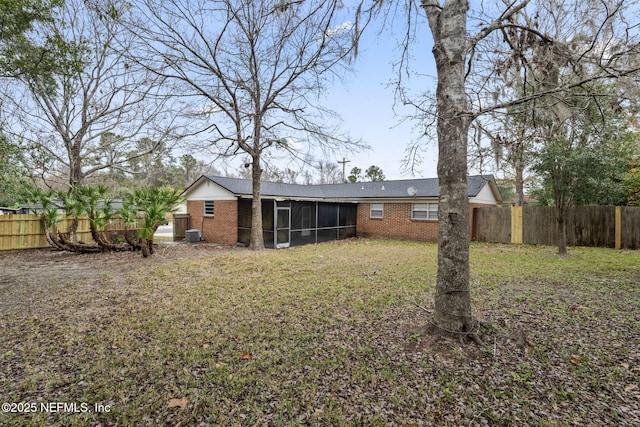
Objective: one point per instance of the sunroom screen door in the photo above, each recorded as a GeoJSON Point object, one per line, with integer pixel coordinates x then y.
{"type": "Point", "coordinates": [283, 228]}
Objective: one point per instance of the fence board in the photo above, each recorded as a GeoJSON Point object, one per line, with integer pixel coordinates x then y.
{"type": "Point", "coordinates": [492, 225]}
{"type": "Point", "coordinates": [591, 226]}
{"type": "Point", "coordinates": [21, 232]}
{"type": "Point", "coordinates": [539, 225]}
{"type": "Point", "coordinates": [630, 227]}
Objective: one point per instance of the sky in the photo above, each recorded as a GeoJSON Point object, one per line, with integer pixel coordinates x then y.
{"type": "Point", "coordinates": [365, 101]}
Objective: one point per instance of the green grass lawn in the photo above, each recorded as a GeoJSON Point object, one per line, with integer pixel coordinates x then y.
{"type": "Point", "coordinates": [322, 335]}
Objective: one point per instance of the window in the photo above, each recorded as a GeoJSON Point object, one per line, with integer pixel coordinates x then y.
{"type": "Point", "coordinates": [424, 211]}
{"type": "Point", "coordinates": [377, 210]}
{"type": "Point", "coordinates": [208, 207]}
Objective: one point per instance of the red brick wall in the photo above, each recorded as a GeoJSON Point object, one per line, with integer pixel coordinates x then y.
{"type": "Point", "coordinates": [397, 223]}
{"type": "Point", "coordinates": [222, 227]}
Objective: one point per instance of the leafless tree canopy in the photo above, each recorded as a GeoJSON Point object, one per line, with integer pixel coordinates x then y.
{"type": "Point", "coordinates": [251, 70]}
{"type": "Point", "coordinates": [547, 48]}
{"type": "Point", "coordinates": [531, 51]}
{"type": "Point", "coordinates": [100, 103]}
{"type": "Point", "coordinates": [533, 77]}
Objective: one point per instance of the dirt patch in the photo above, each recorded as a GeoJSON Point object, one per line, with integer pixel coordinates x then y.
{"type": "Point", "coordinates": [43, 263]}
{"type": "Point", "coordinates": [26, 275]}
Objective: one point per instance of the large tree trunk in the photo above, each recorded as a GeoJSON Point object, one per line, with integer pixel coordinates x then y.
{"type": "Point", "coordinates": [257, 239]}
{"type": "Point", "coordinates": [75, 166]}
{"type": "Point", "coordinates": [452, 312]}
{"type": "Point", "coordinates": [562, 231]}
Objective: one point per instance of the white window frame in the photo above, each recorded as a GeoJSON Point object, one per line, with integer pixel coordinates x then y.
{"type": "Point", "coordinates": [429, 211]}
{"type": "Point", "coordinates": [376, 210]}
{"type": "Point", "coordinates": [209, 208]}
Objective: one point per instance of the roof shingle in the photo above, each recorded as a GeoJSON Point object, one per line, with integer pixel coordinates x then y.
{"type": "Point", "coordinates": [424, 188]}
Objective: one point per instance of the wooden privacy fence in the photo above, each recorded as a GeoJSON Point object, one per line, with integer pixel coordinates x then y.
{"type": "Point", "coordinates": [25, 231]}
{"type": "Point", "coordinates": [598, 226]}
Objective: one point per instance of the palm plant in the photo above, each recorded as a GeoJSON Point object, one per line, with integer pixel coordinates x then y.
{"type": "Point", "coordinates": [154, 203]}
{"type": "Point", "coordinates": [128, 214]}
{"type": "Point", "coordinates": [73, 209]}
{"type": "Point", "coordinates": [48, 214]}
{"type": "Point", "coordinates": [97, 206]}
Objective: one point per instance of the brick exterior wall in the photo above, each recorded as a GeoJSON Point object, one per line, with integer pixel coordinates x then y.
{"type": "Point", "coordinates": [397, 223]}
{"type": "Point", "coordinates": [222, 227]}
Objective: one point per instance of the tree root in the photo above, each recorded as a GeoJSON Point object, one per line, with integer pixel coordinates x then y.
{"type": "Point", "coordinates": [469, 330]}
{"type": "Point", "coordinates": [476, 339]}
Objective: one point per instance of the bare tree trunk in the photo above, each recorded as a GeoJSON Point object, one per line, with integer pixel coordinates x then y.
{"type": "Point", "coordinates": [452, 312]}
{"type": "Point", "coordinates": [519, 168]}
{"type": "Point", "coordinates": [562, 231]}
{"type": "Point", "coordinates": [257, 239]}
{"type": "Point", "coordinates": [75, 165]}
{"type": "Point", "coordinates": [146, 250]}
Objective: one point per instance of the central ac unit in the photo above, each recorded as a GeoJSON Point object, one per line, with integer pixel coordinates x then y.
{"type": "Point", "coordinates": [192, 236]}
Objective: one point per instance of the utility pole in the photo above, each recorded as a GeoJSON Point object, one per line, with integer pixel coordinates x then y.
{"type": "Point", "coordinates": [344, 163]}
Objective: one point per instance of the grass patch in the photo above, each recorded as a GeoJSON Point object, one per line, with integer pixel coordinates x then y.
{"type": "Point", "coordinates": [319, 335]}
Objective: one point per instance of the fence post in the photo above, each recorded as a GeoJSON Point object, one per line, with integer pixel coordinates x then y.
{"type": "Point", "coordinates": [618, 227]}
{"type": "Point", "coordinates": [516, 225]}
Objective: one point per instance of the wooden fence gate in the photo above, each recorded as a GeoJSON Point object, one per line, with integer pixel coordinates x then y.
{"type": "Point", "coordinates": [181, 223]}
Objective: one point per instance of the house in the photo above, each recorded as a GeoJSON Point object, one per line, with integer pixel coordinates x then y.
{"type": "Point", "coordinates": [8, 211]}
{"type": "Point", "coordinates": [22, 210]}
{"type": "Point", "coordinates": [295, 214]}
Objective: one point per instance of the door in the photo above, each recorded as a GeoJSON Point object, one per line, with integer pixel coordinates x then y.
{"type": "Point", "coordinates": [283, 228]}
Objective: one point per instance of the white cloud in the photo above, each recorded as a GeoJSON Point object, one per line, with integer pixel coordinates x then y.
{"type": "Point", "coordinates": [345, 27]}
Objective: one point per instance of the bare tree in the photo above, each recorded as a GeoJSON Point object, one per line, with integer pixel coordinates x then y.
{"type": "Point", "coordinates": [328, 172]}
{"type": "Point", "coordinates": [506, 145]}
{"type": "Point", "coordinates": [255, 69]}
{"type": "Point", "coordinates": [96, 95]}
{"type": "Point", "coordinates": [465, 71]}
{"type": "Point", "coordinates": [192, 168]}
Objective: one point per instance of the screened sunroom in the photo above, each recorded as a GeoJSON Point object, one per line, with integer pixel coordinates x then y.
{"type": "Point", "coordinates": [288, 223]}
